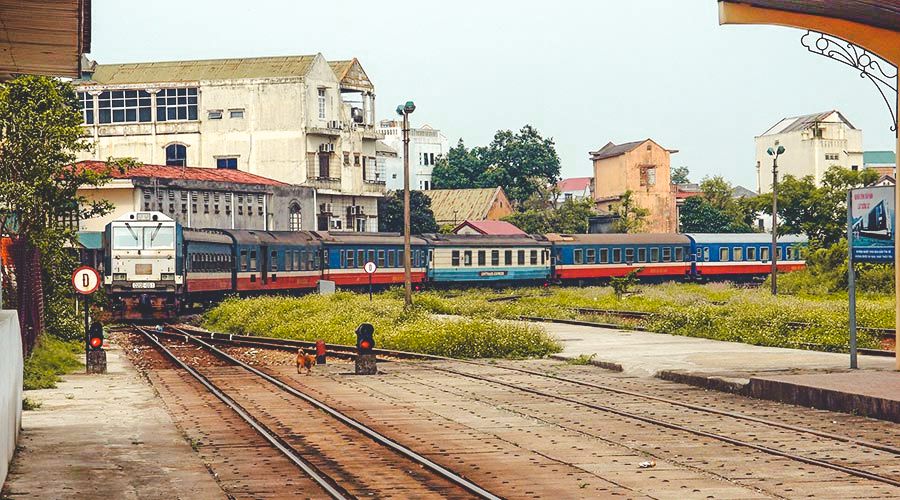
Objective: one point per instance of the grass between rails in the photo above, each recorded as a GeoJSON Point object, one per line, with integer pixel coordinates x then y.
{"type": "Point", "coordinates": [334, 319]}
{"type": "Point", "coordinates": [50, 358]}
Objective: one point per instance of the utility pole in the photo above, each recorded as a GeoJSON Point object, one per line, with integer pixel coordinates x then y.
{"type": "Point", "coordinates": [404, 110]}
{"type": "Point", "coordinates": [774, 153]}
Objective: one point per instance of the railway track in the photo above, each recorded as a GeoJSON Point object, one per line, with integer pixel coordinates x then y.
{"type": "Point", "coordinates": [317, 444]}
{"type": "Point", "coordinates": [751, 424]}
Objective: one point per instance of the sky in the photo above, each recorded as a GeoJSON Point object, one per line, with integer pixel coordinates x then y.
{"type": "Point", "coordinates": [584, 73]}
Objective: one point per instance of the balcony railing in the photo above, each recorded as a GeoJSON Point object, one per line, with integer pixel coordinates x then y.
{"type": "Point", "coordinates": [324, 183]}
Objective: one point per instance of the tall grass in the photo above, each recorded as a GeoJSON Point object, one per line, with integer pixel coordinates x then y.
{"type": "Point", "coordinates": [334, 319]}
{"type": "Point", "coordinates": [50, 358]}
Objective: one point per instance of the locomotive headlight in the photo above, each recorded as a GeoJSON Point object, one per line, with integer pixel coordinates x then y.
{"type": "Point", "coordinates": [119, 277]}
{"type": "Point", "coordinates": [167, 276]}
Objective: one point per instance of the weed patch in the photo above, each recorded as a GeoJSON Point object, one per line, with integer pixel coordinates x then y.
{"type": "Point", "coordinates": [49, 359]}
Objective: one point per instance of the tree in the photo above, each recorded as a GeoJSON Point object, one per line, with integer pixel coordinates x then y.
{"type": "Point", "coordinates": [631, 216]}
{"type": "Point", "coordinates": [571, 217]}
{"type": "Point", "coordinates": [421, 217]}
{"type": "Point", "coordinates": [40, 132]}
{"type": "Point", "coordinates": [680, 175]}
{"type": "Point", "coordinates": [522, 163]}
{"type": "Point", "coordinates": [717, 210]}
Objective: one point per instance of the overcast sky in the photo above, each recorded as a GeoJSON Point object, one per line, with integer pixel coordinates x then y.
{"type": "Point", "coordinates": [583, 73]}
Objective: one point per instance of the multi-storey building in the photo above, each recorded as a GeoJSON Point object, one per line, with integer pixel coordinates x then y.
{"type": "Point", "coordinates": [426, 146]}
{"type": "Point", "coordinates": [301, 120]}
{"type": "Point", "coordinates": [643, 168]}
{"type": "Point", "coordinates": [813, 144]}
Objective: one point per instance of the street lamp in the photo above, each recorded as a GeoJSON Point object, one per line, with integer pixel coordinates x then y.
{"type": "Point", "coordinates": [405, 110]}
{"type": "Point", "coordinates": [775, 153]}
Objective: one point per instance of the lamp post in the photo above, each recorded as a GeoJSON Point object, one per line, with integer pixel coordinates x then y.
{"type": "Point", "coordinates": [775, 153]}
{"type": "Point", "coordinates": [404, 110]}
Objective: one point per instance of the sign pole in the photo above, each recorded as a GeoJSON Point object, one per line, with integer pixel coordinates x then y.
{"type": "Point", "coordinates": [370, 287]}
{"type": "Point", "coordinates": [851, 277]}
{"type": "Point", "coordinates": [86, 304]}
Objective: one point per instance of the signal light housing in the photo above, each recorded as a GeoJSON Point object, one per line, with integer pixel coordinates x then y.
{"type": "Point", "coordinates": [95, 336]}
{"type": "Point", "coordinates": [364, 341]}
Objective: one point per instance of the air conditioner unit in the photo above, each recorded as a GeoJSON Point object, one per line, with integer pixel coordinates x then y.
{"type": "Point", "coordinates": [326, 148]}
{"type": "Point", "coordinates": [325, 208]}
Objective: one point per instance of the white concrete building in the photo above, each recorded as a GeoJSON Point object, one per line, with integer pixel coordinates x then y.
{"type": "Point", "coordinates": [297, 119]}
{"type": "Point", "coordinates": [426, 146]}
{"type": "Point", "coordinates": [813, 143]}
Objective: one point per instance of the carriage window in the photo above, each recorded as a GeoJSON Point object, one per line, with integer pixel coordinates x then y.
{"type": "Point", "coordinates": [495, 257]}
{"type": "Point", "coordinates": [351, 259]}
{"type": "Point", "coordinates": [654, 254]}
{"type": "Point", "coordinates": [390, 261]}
{"type": "Point", "coordinates": [604, 256]}
{"type": "Point", "coordinates": [617, 255]}
{"type": "Point", "coordinates": [751, 253]}
{"type": "Point", "coordinates": [679, 254]}
{"type": "Point", "coordinates": [667, 254]}
{"type": "Point", "coordinates": [706, 253]}
{"type": "Point", "coordinates": [381, 258]}
{"type": "Point", "coordinates": [629, 255]}
{"type": "Point", "coordinates": [274, 260]}
{"type": "Point", "coordinates": [253, 260]}
{"type": "Point", "coordinates": [467, 258]}
{"type": "Point", "coordinates": [642, 255]}
{"type": "Point", "coordinates": [590, 256]}
{"type": "Point", "coordinates": [738, 253]}
{"type": "Point", "coordinates": [534, 257]}
{"type": "Point", "coordinates": [454, 258]}
{"type": "Point", "coordinates": [790, 253]}
{"type": "Point", "coordinates": [723, 255]}
{"type": "Point", "coordinates": [298, 260]}
{"type": "Point", "coordinates": [521, 257]}
{"type": "Point", "coordinates": [341, 253]}
{"type": "Point", "coordinates": [778, 252]}
{"type": "Point", "coordinates": [371, 255]}
{"type": "Point", "coordinates": [764, 253]}
{"type": "Point", "coordinates": [578, 256]}
{"type": "Point", "coordinates": [243, 260]}
{"type": "Point", "coordinates": [481, 260]}
{"type": "Point", "coordinates": [507, 257]}
{"type": "Point", "coordinates": [400, 256]}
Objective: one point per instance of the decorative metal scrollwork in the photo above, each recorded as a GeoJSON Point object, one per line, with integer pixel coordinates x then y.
{"type": "Point", "coordinates": [870, 66]}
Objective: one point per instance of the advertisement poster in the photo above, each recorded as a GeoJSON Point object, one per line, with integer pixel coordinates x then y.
{"type": "Point", "coordinates": [872, 227]}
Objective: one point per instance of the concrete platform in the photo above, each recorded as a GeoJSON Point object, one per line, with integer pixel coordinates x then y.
{"type": "Point", "coordinates": [809, 378]}
{"type": "Point", "coordinates": [105, 436]}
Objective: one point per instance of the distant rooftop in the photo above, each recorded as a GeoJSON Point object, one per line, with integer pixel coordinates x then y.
{"type": "Point", "coordinates": [574, 184]}
{"type": "Point", "coordinates": [879, 158]}
{"type": "Point", "coordinates": [182, 173]}
{"type": "Point", "coordinates": [611, 150]}
{"type": "Point", "coordinates": [496, 227]}
{"type": "Point", "coordinates": [795, 123]}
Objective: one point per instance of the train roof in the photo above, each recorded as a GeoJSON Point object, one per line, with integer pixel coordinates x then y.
{"type": "Point", "coordinates": [619, 239]}
{"type": "Point", "coordinates": [143, 217]}
{"type": "Point", "coordinates": [254, 237]}
{"type": "Point", "coordinates": [744, 238]}
{"type": "Point", "coordinates": [206, 236]}
{"type": "Point", "coordinates": [366, 238]}
{"type": "Point", "coordinates": [485, 239]}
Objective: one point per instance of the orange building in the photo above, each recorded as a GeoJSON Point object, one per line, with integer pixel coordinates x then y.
{"type": "Point", "coordinates": [641, 167]}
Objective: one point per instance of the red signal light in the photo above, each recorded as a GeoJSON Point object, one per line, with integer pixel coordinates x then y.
{"type": "Point", "coordinates": [96, 342]}
{"type": "Point", "coordinates": [365, 344]}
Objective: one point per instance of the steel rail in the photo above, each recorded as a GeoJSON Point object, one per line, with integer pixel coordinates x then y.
{"type": "Point", "coordinates": [662, 423]}
{"type": "Point", "coordinates": [328, 484]}
{"type": "Point", "coordinates": [735, 415]}
{"type": "Point", "coordinates": [354, 424]}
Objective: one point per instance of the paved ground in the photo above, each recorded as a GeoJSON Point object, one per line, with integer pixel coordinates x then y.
{"type": "Point", "coordinates": [105, 437]}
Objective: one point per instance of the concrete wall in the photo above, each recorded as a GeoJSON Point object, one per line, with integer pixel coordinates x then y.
{"type": "Point", "coordinates": [10, 388]}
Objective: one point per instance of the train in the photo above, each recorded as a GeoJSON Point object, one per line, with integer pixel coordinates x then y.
{"type": "Point", "coordinates": [153, 267]}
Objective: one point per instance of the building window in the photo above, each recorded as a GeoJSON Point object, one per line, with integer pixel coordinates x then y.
{"type": "Point", "coordinates": [648, 176]}
{"type": "Point", "coordinates": [356, 159]}
{"type": "Point", "coordinates": [347, 159]}
{"type": "Point", "coordinates": [176, 155]}
{"type": "Point", "coordinates": [324, 160]}
{"type": "Point", "coordinates": [176, 104]}
{"type": "Point", "coordinates": [227, 163]}
{"type": "Point", "coordinates": [296, 219]}
{"type": "Point", "coordinates": [124, 106]}
{"type": "Point", "coordinates": [235, 113]}
{"type": "Point", "coordinates": [321, 104]}
{"type": "Point", "coordinates": [86, 103]}
{"type": "Point", "coordinates": [215, 114]}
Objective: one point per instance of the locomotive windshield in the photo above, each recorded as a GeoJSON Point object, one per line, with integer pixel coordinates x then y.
{"type": "Point", "coordinates": [143, 238]}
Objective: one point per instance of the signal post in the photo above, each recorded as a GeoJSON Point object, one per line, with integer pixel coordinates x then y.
{"type": "Point", "coordinates": [86, 280]}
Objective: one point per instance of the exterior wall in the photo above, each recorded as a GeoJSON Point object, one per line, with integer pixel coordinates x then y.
{"type": "Point", "coordinates": [614, 176]}
{"type": "Point", "coordinates": [340, 213]}
{"type": "Point", "coordinates": [422, 141]}
{"type": "Point", "coordinates": [11, 365]}
{"type": "Point", "coordinates": [467, 230]}
{"type": "Point", "coordinates": [500, 208]}
{"type": "Point", "coordinates": [805, 154]}
{"type": "Point", "coordinates": [121, 194]}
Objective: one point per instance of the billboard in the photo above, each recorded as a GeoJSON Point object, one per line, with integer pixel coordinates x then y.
{"type": "Point", "coordinates": [872, 224]}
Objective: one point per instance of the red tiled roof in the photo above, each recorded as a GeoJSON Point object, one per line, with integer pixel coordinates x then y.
{"type": "Point", "coordinates": [183, 173]}
{"type": "Point", "coordinates": [574, 184]}
{"type": "Point", "coordinates": [496, 227]}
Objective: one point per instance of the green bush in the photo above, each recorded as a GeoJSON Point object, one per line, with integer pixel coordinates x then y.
{"type": "Point", "coordinates": [334, 318]}
{"type": "Point", "coordinates": [50, 358]}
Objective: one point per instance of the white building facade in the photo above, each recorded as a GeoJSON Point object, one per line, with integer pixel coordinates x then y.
{"type": "Point", "coordinates": [426, 146]}
{"type": "Point", "coordinates": [299, 119]}
{"type": "Point", "coordinates": [813, 144]}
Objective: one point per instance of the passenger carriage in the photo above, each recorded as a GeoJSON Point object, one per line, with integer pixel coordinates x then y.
{"type": "Point", "coordinates": [345, 255]}
{"type": "Point", "coordinates": [585, 257]}
{"type": "Point", "coordinates": [275, 260]}
{"type": "Point", "coordinates": [462, 258]}
{"type": "Point", "coordinates": [209, 263]}
{"type": "Point", "coordinates": [744, 254]}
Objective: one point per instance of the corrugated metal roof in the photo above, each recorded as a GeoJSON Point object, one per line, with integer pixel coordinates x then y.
{"type": "Point", "coordinates": [454, 205]}
{"type": "Point", "coordinates": [879, 158]}
{"type": "Point", "coordinates": [795, 123]}
{"type": "Point", "coordinates": [611, 149]}
{"type": "Point", "coordinates": [183, 173]}
{"type": "Point", "coordinates": [206, 69]}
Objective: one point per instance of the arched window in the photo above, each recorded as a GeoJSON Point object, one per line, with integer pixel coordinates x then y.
{"type": "Point", "coordinates": [176, 155]}
{"type": "Point", "coordinates": [295, 217]}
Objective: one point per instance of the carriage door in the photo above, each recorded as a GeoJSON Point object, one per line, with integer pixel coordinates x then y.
{"type": "Point", "coordinates": [264, 263]}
